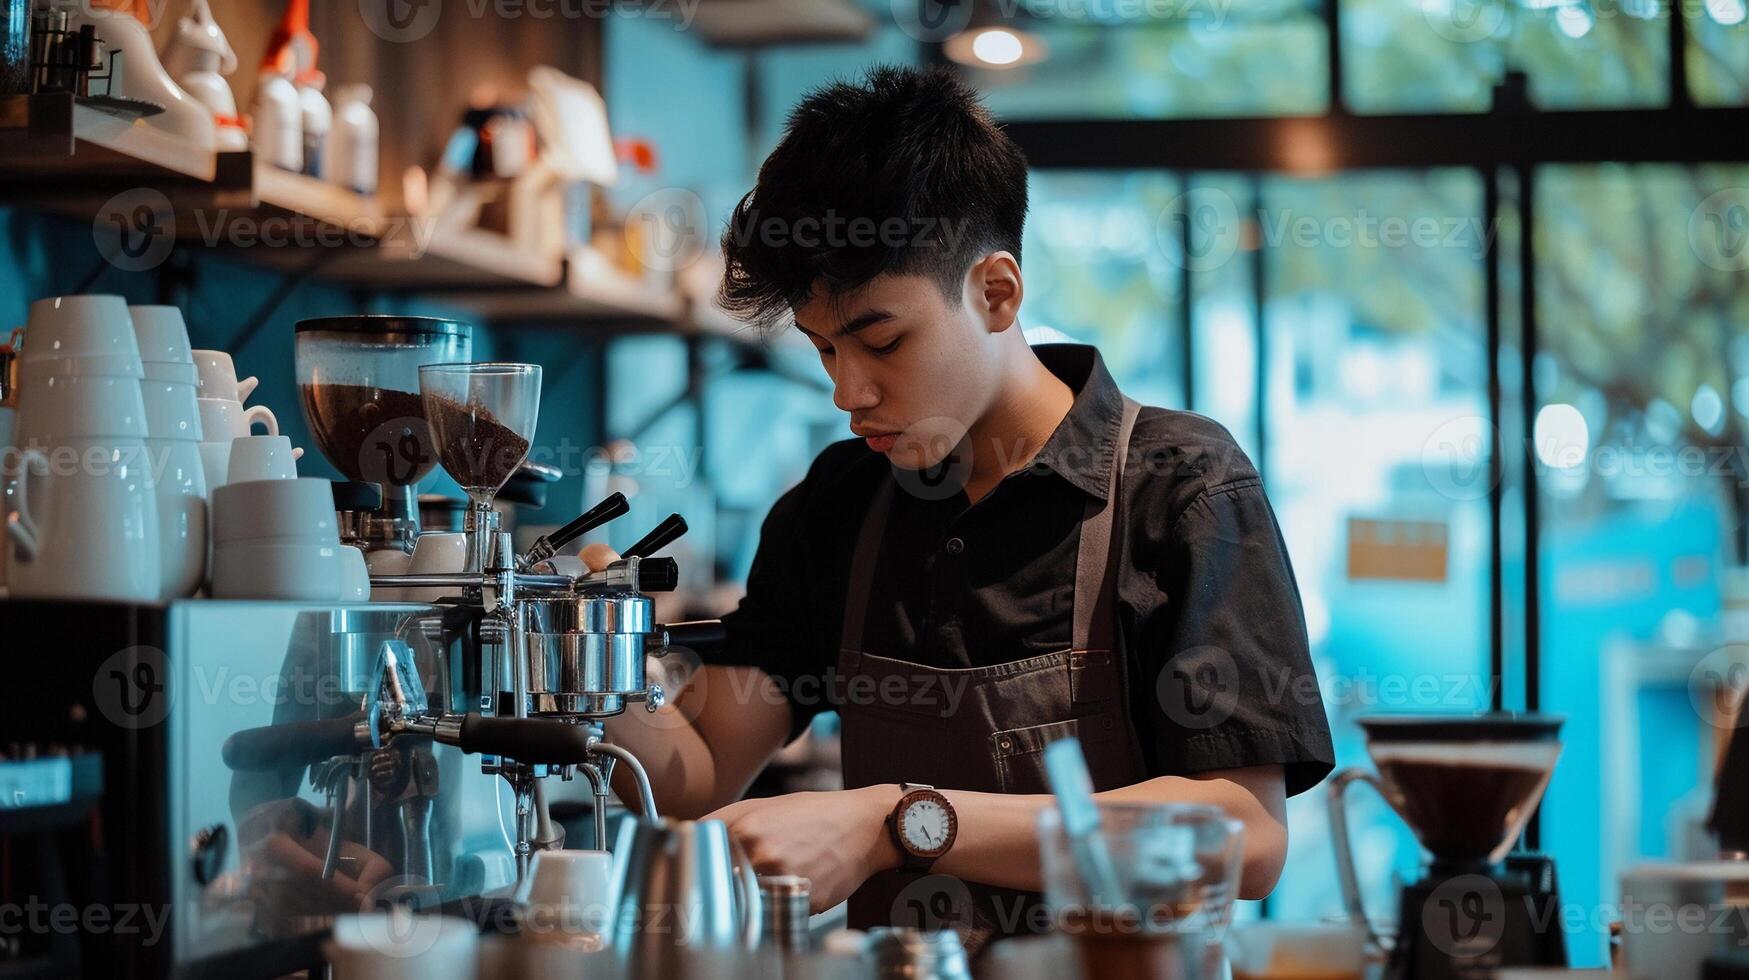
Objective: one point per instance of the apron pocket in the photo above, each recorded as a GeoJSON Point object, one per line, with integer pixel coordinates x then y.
{"type": "Point", "coordinates": [1019, 753]}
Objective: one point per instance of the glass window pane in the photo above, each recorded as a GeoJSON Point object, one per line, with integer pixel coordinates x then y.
{"type": "Point", "coordinates": [1260, 59]}
{"type": "Point", "coordinates": [1447, 55]}
{"type": "Point", "coordinates": [1376, 385]}
{"type": "Point", "coordinates": [1643, 382]}
{"type": "Point", "coordinates": [1718, 52]}
{"type": "Point", "coordinates": [1095, 273]}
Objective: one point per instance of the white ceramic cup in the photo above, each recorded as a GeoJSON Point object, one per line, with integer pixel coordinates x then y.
{"type": "Point", "coordinates": [84, 517]}
{"type": "Point", "coordinates": [570, 892]}
{"type": "Point", "coordinates": [435, 553]}
{"type": "Point", "coordinates": [218, 377]}
{"type": "Point", "coordinates": [215, 461]}
{"type": "Point", "coordinates": [223, 419]}
{"type": "Point", "coordinates": [1676, 916]}
{"type": "Point", "coordinates": [162, 335]}
{"type": "Point", "coordinates": [261, 458]}
{"type": "Point", "coordinates": [179, 485]}
{"type": "Point", "coordinates": [299, 511]}
{"type": "Point", "coordinates": [401, 945]}
{"type": "Point", "coordinates": [354, 575]}
{"type": "Point", "coordinates": [80, 334]}
{"type": "Point", "coordinates": [164, 347]}
{"type": "Point", "coordinates": [287, 570]}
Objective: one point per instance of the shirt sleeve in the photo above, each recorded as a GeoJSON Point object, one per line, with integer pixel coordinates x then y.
{"type": "Point", "coordinates": [772, 627]}
{"type": "Point", "coordinates": [1225, 661]}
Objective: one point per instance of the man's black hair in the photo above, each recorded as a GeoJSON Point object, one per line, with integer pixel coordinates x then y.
{"type": "Point", "coordinates": [904, 173]}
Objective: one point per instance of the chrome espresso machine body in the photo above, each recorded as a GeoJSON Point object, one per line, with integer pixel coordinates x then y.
{"type": "Point", "coordinates": [219, 779]}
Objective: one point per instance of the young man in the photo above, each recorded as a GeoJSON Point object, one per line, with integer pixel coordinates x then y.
{"type": "Point", "coordinates": [1008, 553]}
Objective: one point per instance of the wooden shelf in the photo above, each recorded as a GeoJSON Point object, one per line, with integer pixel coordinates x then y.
{"type": "Point", "coordinates": [296, 194]}
{"type": "Point", "coordinates": [51, 136]}
{"type": "Point", "coordinates": [59, 155]}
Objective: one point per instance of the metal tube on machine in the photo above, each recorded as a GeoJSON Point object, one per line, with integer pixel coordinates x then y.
{"type": "Point", "coordinates": [597, 787]}
{"type": "Point", "coordinates": [646, 798]}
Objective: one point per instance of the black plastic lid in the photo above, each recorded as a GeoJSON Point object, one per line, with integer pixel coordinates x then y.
{"type": "Point", "coordinates": [373, 323]}
{"type": "Point", "coordinates": [1498, 726]}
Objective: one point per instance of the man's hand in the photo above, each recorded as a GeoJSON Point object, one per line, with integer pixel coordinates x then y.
{"type": "Point", "coordinates": [597, 556]}
{"type": "Point", "coordinates": [835, 840]}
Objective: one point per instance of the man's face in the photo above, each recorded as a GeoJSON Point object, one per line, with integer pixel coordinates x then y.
{"type": "Point", "coordinates": [913, 368]}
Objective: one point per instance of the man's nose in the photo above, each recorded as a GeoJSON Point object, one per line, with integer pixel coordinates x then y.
{"type": "Point", "coordinates": [853, 391]}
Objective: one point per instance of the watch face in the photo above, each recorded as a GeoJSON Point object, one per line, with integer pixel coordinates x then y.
{"type": "Point", "coordinates": [926, 826]}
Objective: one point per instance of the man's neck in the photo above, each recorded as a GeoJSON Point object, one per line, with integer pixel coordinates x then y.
{"type": "Point", "coordinates": [1028, 407]}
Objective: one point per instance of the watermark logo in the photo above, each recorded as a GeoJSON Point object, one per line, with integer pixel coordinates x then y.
{"type": "Point", "coordinates": [932, 458]}
{"type": "Point", "coordinates": [1199, 230]}
{"type": "Point", "coordinates": [1199, 688]}
{"type": "Point", "coordinates": [933, 903]}
{"type": "Point", "coordinates": [402, 933]}
{"type": "Point", "coordinates": [132, 688]}
{"type": "Point", "coordinates": [1455, 458]}
{"type": "Point", "coordinates": [1718, 229]}
{"type": "Point", "coordinates": [666, 229]}
{"type": "Point", "coordinates": [1717, 684]}
{"type": "Point", "coordinates": [397, 451]}
{"type": "Point", "coordinates": [930, 21]}
{"type": "Point", "coordinates": [1465, 21]}
{"type": "Point", "coordinates": [135, 230]}
{"type": "Point", "coordinates": [400, 21]}
{"type": "Point", "coordinates": [1464, 917]}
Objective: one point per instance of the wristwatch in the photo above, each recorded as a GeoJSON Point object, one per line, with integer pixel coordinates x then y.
{"type": "Point", "coordinates": [923, 826]}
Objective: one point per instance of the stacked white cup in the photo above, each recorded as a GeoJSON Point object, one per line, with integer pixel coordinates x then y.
{"type": "Point", "coordinates": [278, 539]}
{"type": "Point", "coordinates": [83, 518]}
{"type": "Point", "coordinates": [222, 415]}
{"type": "Point", "coordinates": [173, 438]}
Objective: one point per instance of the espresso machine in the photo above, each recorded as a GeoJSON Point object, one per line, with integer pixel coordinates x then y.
{"type": "Point", "coordinates": [1467, 786]}
{"type": "Point", "coordinates": [551, 655]}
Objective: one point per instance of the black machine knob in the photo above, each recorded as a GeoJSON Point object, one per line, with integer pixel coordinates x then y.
{"type": "Point", "coordinates": [211, 847]}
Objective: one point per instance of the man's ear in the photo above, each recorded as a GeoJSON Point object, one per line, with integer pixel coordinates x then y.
{"type": "Point", "coordinates": [994, 290]}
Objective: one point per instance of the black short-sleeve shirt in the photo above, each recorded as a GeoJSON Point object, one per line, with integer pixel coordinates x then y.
{"type": "Point", "coordinates": [1209, 614]}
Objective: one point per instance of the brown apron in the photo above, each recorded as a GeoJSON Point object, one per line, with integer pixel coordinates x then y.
{"type": "Point", "coordinates": [985, 728]}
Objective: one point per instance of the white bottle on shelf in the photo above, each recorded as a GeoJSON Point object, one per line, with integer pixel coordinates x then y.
{"type": "Point", "coordinates": [352, 143]}
{"type": "Point", "coordinates": [318, 118]}
{"type": "Point", "coordinates": [277, 129]}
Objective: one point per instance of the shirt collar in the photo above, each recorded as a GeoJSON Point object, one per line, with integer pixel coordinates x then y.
{"type": "Point", "coordinates": [1082, 448]}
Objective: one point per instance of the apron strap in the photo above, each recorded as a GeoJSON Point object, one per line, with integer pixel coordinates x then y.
{"type": "Point", "coordinates": [1096, 564]}
{"type": "Point", "coordinates": [862, 566]}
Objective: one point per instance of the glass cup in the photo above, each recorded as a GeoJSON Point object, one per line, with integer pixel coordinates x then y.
{"type": "Point", "coordinates": [1176, 868]}
{"type": "Point", "coordinates": [482, 419]}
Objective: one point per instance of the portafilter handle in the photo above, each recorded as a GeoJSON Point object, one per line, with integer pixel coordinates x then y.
{"type": "Point", "coordinates": [548, 545]}
{"type": "Point", "coordinates": [662, 535]}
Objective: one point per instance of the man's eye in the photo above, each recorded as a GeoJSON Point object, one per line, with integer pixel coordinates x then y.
{"type": "Point", "coordinates": [888, 348]}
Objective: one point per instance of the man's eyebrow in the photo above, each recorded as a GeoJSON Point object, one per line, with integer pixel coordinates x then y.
{"type": "Point", "coordinates": [863, 320]}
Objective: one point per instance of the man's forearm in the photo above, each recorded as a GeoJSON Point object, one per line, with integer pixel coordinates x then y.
{"type": "Point", "coordinates": [704, 747]}
{"type": "Point", "coordinates": [998, 832]}
{"type": "Point", "coordinates": [681, 769]}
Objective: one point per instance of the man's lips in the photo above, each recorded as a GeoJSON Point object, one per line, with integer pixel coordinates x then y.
{"type": "Point", "coordinates": [878, 440]}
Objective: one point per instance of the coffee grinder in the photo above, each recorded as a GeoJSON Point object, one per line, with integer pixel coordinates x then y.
{"type": "Point", "coordinates": [1466, 786]}
{"type": "Point", "coordinates": [358, 381]}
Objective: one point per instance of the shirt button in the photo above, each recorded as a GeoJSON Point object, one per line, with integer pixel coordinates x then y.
{"type": "Point", "coordinates": [955, 546]}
